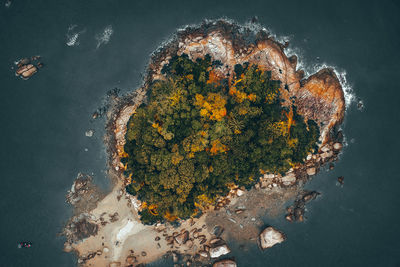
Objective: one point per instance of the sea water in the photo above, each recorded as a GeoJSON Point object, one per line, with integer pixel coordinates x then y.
{"type": "Point", "coordinates": [43, 120]}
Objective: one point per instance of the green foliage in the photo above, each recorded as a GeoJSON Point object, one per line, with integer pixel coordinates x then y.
{"type": "Point", "coordinates": [196, 136]}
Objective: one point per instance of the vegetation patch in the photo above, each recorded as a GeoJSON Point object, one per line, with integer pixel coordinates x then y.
{"type": "Point", "coordinates": [200, 134]}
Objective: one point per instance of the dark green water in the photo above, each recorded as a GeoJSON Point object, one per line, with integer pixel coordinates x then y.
{"type": "Point", "coordinates": [43, 119]}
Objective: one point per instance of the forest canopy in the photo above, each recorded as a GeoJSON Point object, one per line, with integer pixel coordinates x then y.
{"type": "Point", "coordinates": [199, 134]}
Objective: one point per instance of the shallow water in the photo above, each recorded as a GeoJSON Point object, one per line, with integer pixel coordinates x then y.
{"type": "Point", "coordinates": [43, 119]}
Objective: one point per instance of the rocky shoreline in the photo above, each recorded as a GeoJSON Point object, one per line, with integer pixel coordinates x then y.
{"type": "Point", "coordinates": [104, 233]}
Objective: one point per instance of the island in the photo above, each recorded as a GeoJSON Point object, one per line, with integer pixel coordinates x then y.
{"type": "Point", "coordinates": [223, 130]}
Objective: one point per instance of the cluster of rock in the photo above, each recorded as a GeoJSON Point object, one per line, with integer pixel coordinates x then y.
{"type": "Point", "coordinates": [296, 211]}
{"type": "Point", "coordinates": [83, 194]}
{"type": "Point", "coordinates": [27, 67]}
{"type": "Point", "coordinates": [328, 153]}
{"type": "Point", "coordinates": [224, 201]}
{"type": "Point", "coordinates": [194, 241]}
{"type": "Point", "coordinates": [78, 228]}
{"type": "Point", "coordinates": [319, 97]}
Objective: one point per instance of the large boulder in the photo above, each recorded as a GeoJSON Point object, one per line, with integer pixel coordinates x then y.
{"type": "Point", "coordinates": [270, 237]}
{"type": "Point", "coordinates": [225, 263]}
{"type": "Point", "coordinates": [219, 251]}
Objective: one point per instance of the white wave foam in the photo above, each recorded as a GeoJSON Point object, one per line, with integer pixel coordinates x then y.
{"type": "Point", "coordinates": [105, 36]}
{"type": "Point", "coordinates": [309, 68]}
{"type": "Point", "coordinates": [72, 35]}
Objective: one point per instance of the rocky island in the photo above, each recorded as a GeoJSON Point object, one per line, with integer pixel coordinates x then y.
{"type": "Point", "coordinates": [225, 128]}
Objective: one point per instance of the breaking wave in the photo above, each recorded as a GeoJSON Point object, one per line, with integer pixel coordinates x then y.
{"type": "Point", "coordinates": [308, 67]}
{"type": "Point", "coordinates": [105, 36]}
{"type": "Point", "coordinates": [73, 35]}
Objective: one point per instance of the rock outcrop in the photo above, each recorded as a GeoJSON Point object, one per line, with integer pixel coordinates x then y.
{"type": "Point", "coordinates": [225, 263]}
{"type": "Point", "coordinates": [270, 237]}
{"type": "Point", "coordinates": [296, 211]}
{"type": "Point", "coordinates": [319, 97]}
{"type": "Point", "coordinates": [27, 67]}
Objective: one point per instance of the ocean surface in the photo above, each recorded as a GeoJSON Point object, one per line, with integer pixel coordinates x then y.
{"type": "Point", "coordinates": [90, 47]}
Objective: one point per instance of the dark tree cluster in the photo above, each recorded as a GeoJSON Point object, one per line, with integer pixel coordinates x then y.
{"type": "Point", "coordinates": [200, 134]}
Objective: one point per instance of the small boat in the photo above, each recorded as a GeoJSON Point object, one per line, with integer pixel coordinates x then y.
{"type": "Point", "coordinates": [25, 244]}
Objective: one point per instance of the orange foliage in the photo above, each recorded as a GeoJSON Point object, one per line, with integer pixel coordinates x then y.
{"type": "Point", "coordinates": [213, 77]}
{"type": "Point", "coordinates": [290, 120]}
{"type": "Point", "coordinates": [218, 147]}
{"type": "Point", "coordinates": [153, 209]}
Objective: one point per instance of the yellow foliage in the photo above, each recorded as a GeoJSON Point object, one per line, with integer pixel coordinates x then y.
{"type": "Point", "coordinates": [176, 158]}
{"type": "Point", "coordinates": [153, 209]}
{"type": "Point", "coordinates": [239, 95]}
{"type": "Point", "coordinates": [203, 201]}
{"type": "Point", "coordinates": [203, 112]}
{"type": "Point", "coordinates": [170, 217]}
{"type": "Point", "coordinates": [236, 131]}
{"type": "Point", "coordinates": [158, 127]}
{"type": "Point", "coordinates": [293, 142]}
{"type": "Point", "coordinates": [280, 128]}
{"type": "Point", "coordinates": [122, 154]}
{"type": "Point", "coordinates": [270, 98]}
{"type": "Point", "coordinates": [242, 111]}
{"type": "Point", "coordinates": [212, 107]}
{"type": "Point", "coordinates": [175, 97]}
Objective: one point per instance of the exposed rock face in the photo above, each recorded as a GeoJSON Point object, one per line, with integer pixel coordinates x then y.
{"type": "Point", "coordinates": [28, 67]}
{"type": "Point", "coordinates": [296, 212]}
{"type": "Point", "coordinates": [225, 263]}
{"type": "Point", "coordinates": [79, 228]}
{"type": "Point", "coordinates": [319, 97]}
{"type": "Point", "coordinates": [218, 251]}
{"type": "Point", "coordinates": [270, 237]}
{"type": "Point", "coordinates": [83, 194]}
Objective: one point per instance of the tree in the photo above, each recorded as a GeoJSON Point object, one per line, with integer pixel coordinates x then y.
{"type": "Point", "coordinates": [199, 133]}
